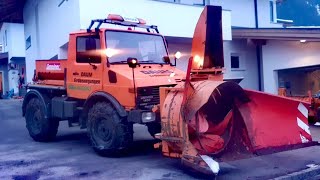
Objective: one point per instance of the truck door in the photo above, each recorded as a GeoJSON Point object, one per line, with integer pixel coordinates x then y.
{"type": "Point", "coordinates": [85, 77]}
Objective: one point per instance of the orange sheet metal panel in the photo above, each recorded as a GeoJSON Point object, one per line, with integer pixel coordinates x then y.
{"type": "Point", "coordinates": [50, 69]}
{"type": "Point", "coordinates": [274, 121]}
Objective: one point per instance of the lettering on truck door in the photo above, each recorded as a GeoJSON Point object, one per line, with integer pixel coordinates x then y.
{"type": "Point", "coordinates": [86, 75]}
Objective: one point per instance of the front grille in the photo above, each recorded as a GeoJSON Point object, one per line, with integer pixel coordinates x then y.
{"type": "Point", "coordinates": [147, 97]}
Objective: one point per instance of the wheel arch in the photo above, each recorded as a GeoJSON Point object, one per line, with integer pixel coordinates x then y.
{"type": "Point", "coordinates": [99, 97]}
{"type": "Point", "coordinates": [42, 97]}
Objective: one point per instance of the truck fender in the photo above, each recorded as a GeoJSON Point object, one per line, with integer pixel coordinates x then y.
{"type": "Point", "coordinates": [96, 97]}
{"type": "Point", "coordinates": [42, 97]}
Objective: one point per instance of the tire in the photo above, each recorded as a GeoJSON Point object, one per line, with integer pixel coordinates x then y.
{"type": "Point", "coordinates": [40, 128]}
{"type": "Point", "coordinates": [109, 134]}
{"type": "Point", "coordinates": [154, 128]}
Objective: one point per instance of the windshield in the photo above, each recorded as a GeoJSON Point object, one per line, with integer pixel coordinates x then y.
{"type": "Point", "coordinates": [145, 47]}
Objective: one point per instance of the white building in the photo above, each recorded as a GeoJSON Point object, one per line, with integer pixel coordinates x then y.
{"type": "Point", "coordinates": [284, 53]}
{"type": "Point", "coordinates": [251, 53]}
{"type": "Point", "coordinates": [12, 55]}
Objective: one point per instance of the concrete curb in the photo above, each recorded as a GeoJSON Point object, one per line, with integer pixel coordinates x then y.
{"type": "Point", "coordinates": [303, 174]}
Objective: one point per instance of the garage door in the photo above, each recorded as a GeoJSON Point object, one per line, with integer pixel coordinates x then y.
{"type": "Point", "coordinates": [298, 81]}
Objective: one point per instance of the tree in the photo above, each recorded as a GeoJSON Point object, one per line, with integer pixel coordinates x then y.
{"type": "Point", "coordinates": [302, 12]}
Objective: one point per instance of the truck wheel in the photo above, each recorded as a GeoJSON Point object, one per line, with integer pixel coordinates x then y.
{"type": "Point", "coordinates": [109, 134]}
{"type": "Point", "coordinates": [154, 128]}
{"type": "Point", "coordinates": [40, 128]}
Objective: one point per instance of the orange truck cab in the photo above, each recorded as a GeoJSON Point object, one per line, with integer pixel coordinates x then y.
{"type": "Point", "coordinates": [110, 81]}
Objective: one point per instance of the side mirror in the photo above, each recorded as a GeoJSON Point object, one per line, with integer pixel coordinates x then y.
{"type": "Point", "coordinates": [166, 59]}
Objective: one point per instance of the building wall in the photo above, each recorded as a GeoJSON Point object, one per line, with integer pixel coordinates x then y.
{"type": "Point", "coordinates": [242, 11]}
{"type": "Point", "coordinates": [4, 38]}
{"type": "Point", "coordinates": [172, 19]}
{"type": "Point", "coordinates": [248, 63]}
{"type": "Point", "coordinates": [243, 14]}
{"type": "Point", "coordinates": [246, 51]}
{"type": "Point", "coordinates": [16, 43]}
{"type": "Point", "coordinates": [48, 25]}
{"type": "Point", "coordinates": [12, 38]}
{"type": "Point", "coordinates": [4, 70]}
{"type": "Point", "coordinates": [286, 54]}
{"type": "Point", "coordinates": [264, 13]}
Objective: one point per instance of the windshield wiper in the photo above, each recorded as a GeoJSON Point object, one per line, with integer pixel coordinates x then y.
{"type": "Point", "coordinates": [150, 62]}
{"type": "Point", "coordinates": [140, 62]}
{"type": "Point", "coordinates": [118, 62]}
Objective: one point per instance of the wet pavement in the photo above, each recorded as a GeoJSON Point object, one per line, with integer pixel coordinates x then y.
{"type": "Point", "coordinates": [71, 157]}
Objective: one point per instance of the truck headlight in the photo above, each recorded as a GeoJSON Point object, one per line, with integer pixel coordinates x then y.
{"type": "Point", "coordinates": [148, 117]}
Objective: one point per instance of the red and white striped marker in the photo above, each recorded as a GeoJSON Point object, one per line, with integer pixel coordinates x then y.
{"type": "Point", "coordinates": [305, 135]}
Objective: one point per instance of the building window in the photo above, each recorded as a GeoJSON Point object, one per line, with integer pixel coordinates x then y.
{"type": "Point", "coordinates": [5, 38]}
{"type": "Point", "coordinates": [236, 62]}
{"type": "Point", "coordinates": [199, 2]}
{"type": "Point", "coordinates": [189, 2]}
{"type": "Point", "coordinates": [273, 11]}
{"type": "Point", "coordinates": [170, 0]}
{"type": "Point", "coordinates": [28, 42]}
{"type": "Point", "coordinates": [88, 49]}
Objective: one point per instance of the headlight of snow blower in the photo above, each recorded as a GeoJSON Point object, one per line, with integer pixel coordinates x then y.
{"type": "Point", "coordinates": [148, 117]}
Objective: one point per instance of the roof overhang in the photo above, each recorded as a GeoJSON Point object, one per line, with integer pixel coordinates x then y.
{"type": "Point", "coordinates": [309, 34]}
{"type": "Point", "coordinates": [11, 11]}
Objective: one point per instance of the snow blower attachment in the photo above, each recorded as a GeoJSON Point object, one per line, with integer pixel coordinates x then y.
{"type": "Point", "coordinates": [206, 120]}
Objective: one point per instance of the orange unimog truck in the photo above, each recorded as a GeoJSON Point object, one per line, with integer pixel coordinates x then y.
{"type": "Point", "coordinates": [110, 81]}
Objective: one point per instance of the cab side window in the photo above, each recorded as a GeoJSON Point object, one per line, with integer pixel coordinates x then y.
{"type": "Point", "coordinates": [88, 49]}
